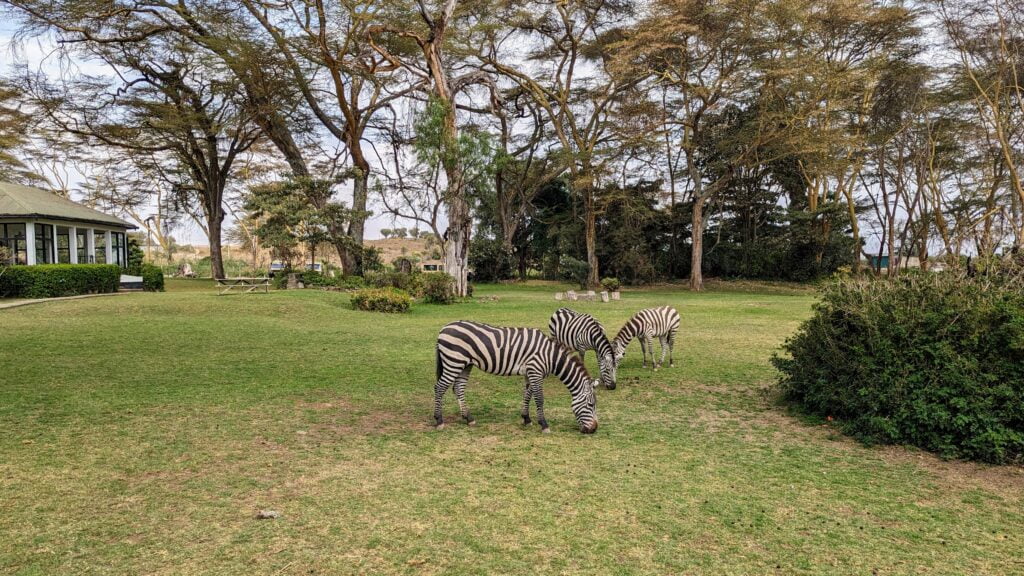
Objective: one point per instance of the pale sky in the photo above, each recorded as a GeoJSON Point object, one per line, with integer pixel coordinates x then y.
{"type": "Point", "coordinates": [38, 55]}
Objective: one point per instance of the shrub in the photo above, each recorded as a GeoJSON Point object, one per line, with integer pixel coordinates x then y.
{"type": "Point", "coordinates": [314, 278]}
{"type": "Point", "coordinates": [152, 278]}
{"type": "Point", "coordinates": [932, 360]}
{"type": "Point", "coordinates": [411, 283]}
{"type": "Point", "coordinates": [351, 283]}
{"type": "Point", "coordinates": [381, 300]}
{"type": "Point", "coordinates": [52, 280]}
{"type": "Point", "coordinates": [611, 284]}
{"type": "Point", "coordinates": [135, 257]}
{"type": "Point", "coordinates": [280, 279]}
{"type": "Point", "coordinates": [438, 288]}
{"type": "Point", "coordinates": [575, 270]}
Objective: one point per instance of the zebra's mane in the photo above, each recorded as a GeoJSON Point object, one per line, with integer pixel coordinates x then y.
{"type": "Point", "coordinates": [572, 357]}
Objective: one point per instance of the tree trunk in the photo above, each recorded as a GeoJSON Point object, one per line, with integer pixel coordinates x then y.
{"type": "Point", "coordinates": [353, 264]}
{"type": "Point", "coordinates": [697, 255]}
{"type": "Point", "coordinates": [216, 256]}
{"type": "Point", "coordinates": [456, 246]}
{"type": "Point", "coordinates": [590, 215]}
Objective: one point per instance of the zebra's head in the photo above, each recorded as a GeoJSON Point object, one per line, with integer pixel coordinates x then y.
{"type": "Point", "coordinates": [618, 352]}
{"type": "Point", "coordinates": [608, 369]}
{"type": "Point", "coordinates": [584, 398]}
{"type": "Point", "coordinates": [586, 416]}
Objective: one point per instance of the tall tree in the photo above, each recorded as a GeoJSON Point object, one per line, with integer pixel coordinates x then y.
{"type": "Point", "coordinates": [430, 33]}
{"type": "Point", "coordinates": [159, 98]}
{"type": "Point", "coordinates": [705, 51]}
{"type": "Point", "coordinates": [566, 75]}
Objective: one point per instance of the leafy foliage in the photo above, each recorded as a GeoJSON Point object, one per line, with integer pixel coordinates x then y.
{"type": "Point", "coordinates": [437, 288]}
{"type": "Point", "coordinates": [53, 280]}
{"type": "Point", "coordinates": [933, 360]}
{"type": "Point", "coordinates": [390, 300]}
{"type": "Point", "coordinates": [575, 270]}
{"type": "Point", "coordinates": [152, 278]}
{"type": "Point", "coordinates": [611, 284]}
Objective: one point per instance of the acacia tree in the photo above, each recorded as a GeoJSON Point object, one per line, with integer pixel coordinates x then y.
{"type": "Point", "coordinates": [987, 42]}
{"type": "Point", "coordinates": [566, 75]}
{"type": "Point", "coordinates": [444, 147]}
{"type": "Point", "coordinates": [704, 52]}
{"type": "Point", "coordinates": [14, 125]}
{"type": "Point", "coordinates": [326, 51]}
{"type": "Point", "coordinates": [160, 98]}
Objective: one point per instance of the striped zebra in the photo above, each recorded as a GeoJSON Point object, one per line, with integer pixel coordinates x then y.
{"type": "Point", "coordinates": [508, 351]}
{"type": "Point", "coordinates": [581, 332]}
{"type": "Point", "coordinates": [662, 322]}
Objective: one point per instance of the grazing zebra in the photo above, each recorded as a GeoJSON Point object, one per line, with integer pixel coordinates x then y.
{"type": "Point", "coordinates": [581, 332]}
{"type": "Point", "coordinates": [507, 351]}
{"type": "Point", "coordinates": [662, 322]}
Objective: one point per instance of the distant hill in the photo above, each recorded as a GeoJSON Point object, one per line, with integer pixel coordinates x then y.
{"type": "Point", "coordinates": [390, 249]}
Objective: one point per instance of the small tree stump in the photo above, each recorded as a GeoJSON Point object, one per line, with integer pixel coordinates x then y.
{"type": "Point", "coordinates": [293, 282]}
{"type": "Point", "coordinates": [616, 295]}
{"type": "Point", "coordinates": [570, 296]}
{"type": "Point", "coordinates": [559, 295]}
{"type": "Point", "coordinates": [604, 296]}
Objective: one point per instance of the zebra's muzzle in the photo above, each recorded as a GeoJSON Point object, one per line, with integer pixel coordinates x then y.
{"type": "Point", "coordinates": [589, 428]}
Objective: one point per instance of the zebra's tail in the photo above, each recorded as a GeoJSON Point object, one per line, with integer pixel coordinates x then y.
{"type": "Point", "coordinates": [437, 358]}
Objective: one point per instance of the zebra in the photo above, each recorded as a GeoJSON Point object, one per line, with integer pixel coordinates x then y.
{"type": "Point", "coordinates": [662, 322]}
{"type": "Point", "coordinates": [581, 332]}
{"type": "Point", "coordinates": [507, 351]}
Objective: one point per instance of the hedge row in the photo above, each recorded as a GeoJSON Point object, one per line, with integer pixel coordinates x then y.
{"type": "Point", "coordinates": [152, 278]}
{"type": "Point", "coordinates": [932, 360]}
{"type": "Point", "coordinates": [381, 300]}
{"type": "Point", "coordinates": [54, 280]}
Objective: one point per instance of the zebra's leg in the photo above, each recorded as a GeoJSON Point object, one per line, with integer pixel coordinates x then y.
{"type": "Point", "coordinates": [527, 395]}
{"type": "Point", "coordinates": [538, 398]}
{"type": "Point", "coordinates": [439, 389]}
{"type": "Point", "coordinates": [663, 340]}
{"type": "Point", "coordinates": [460, 394]}
{"type": "Point", "coordinates": [671, 344]}
{"type": "Point", "coordinates": [650, 348]}
{"type": "Point", "coordinates": [643, 350]}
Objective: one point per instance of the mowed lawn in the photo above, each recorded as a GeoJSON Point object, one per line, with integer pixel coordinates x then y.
{"type": "Point", "coordinates": [142, 433]}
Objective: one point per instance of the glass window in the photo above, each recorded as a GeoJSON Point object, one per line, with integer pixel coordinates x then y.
{"type": "Point", "coordinates": [12, 236]}
{"type": "Point", "coordinates": [117, 248]}
{"type": "Point", "coordinates": [82, 247]}
{"type": "Point", "coordinates": [44, 244]}
{"type": "Point", "coordinates": [63, 245]}
{"type": "Point", "coordinates": [100, 241]}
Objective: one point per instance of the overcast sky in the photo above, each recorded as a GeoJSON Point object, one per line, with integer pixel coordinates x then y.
{"type": "Point", "coordinates": [38, 55]}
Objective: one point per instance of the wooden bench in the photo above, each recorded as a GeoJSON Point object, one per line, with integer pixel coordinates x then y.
{"type": "Point", "coordinates": [244, 285]}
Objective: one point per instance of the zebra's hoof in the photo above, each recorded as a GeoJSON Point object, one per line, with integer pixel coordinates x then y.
{"type": "Point", "coordinates": [439, 426]}
{"type": "Point", "coordinates": [471, 423]}
{"type": "Point", "coordinates": [527, 421]}
{"type": "Point", "coordinates": [546, 431]}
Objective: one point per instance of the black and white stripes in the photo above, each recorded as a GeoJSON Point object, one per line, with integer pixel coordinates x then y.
{"type": "Point", "coordinates": [662, 322]}
{"type": "Point", "coordinates": [506, 352]}
{"type": "Point", "coordinates": [581, 332]}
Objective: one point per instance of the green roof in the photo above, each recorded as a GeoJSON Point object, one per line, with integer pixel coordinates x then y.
{"type": "Point", "coordinates": [17, 201]}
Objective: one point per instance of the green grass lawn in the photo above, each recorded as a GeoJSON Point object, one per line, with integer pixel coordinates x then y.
{"type": "Point", "coordinates": [141, 434]}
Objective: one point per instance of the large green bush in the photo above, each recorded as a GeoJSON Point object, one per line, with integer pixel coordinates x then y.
{"type": "Point", "coordinates": [152, 278]}
{"type": "Point", "coordinates": [381, 300]}
{"type": "Point", "coordinates": [53, 280]}
{"type": "Point", "coordinates": [932, 360]}
{"type": "Point", "coordinates": [438, 288]}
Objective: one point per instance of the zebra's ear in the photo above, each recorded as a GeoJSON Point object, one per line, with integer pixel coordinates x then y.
{"type": "Point", "coordinates": [595, 383]}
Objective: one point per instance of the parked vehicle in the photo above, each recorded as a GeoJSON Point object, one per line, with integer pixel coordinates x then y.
{"type": "Point", "coordinates": [275, 267]}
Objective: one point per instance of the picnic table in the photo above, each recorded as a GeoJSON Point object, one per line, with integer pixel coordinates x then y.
{"type": "Point", "coordinates": [244, 285]}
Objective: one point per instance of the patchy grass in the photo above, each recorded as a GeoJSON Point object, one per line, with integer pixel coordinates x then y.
{"type": "Point", "coordinates": [142, 434]}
